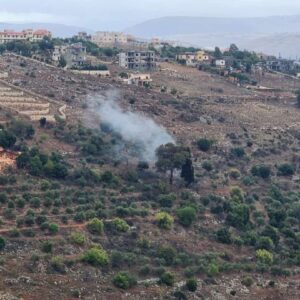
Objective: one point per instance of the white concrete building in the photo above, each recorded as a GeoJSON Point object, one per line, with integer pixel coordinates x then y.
{"type": "Point", "coordinates": [107, 38]}
{"type": "Point", "coordinates": [220, 63]}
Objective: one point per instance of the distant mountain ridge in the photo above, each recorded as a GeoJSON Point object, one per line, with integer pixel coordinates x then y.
{"type": "Point", "coordinates": [258, 34]}
{"type": "Point", "coordinates": [58, 30]}
{"type": "Point", "coordinates": [191, 25]}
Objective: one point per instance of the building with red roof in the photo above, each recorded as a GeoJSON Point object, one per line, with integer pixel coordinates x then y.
{"type": "Point", "coordinates": [30, 35]}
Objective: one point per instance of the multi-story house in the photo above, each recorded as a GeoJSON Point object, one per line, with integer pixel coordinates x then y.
{"type": "Point", "coordinates": [109, 39]}
{"type": "Point", "coordinates": [138, 60]}
{"type": "Point", "coordinates": [74, 54]}
{"type": "Point", "coordinates": [202, 57]}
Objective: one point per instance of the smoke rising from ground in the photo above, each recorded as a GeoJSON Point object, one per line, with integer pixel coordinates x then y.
{"type": "Point", "coordinates": [133, 127]}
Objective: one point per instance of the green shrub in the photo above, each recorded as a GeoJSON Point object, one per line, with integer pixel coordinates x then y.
{"type": "Point", "coordinates": [57, 264]}
{"type": "Point", "coordinates": [279, 271]}
{"type": "Point", "coordinates": [53, 228]}
{"type": "Point", "coordinates": [186, 216]}
{"type": "Point", "coordinates": [234, 173]}
{"type": "Point", "coordinates": [47, 246]}
{"type": "Point", "coordinates": [120, 225]}
{"type": "Point", "coordinates": [173, 91]}
{"type": "Point", "coordinates": [2, 242]}
{"type": "Point", "coordinates": [118, 258]}
{"type": "Point", "coordinates": [35, 202]}
{"type": "Point", "coordinates": [237, 152]}
{"type": "Point", "coordinates": [262, 171]}
{"type": "Point", "coordinates": [248, 180]}
{"type": "Point", "coordinates": [3, 198]}
{"type": "Point", "coordinates": [167, 278]}
{"type": "Point", "coordinates": [286, 170]}
{"type": "Point", "coordinates": [124, 280]}
{"type": "Point", "coordinates": [95, 226]}
{"type": "Point", "coordinates": [40, 219]}
{"type": "Point", "coordinates": [45, 185]}
{"type": "Point", "coordinates": [223, 235]}
{"type": "Point", "coordinates": [204, 144]}
{"type": "Point", "coordinates": [191, 284]}
{"type": "Point", "coordinates": [95, 256]}
{"type": "Point", "coordinates": [145, 270]}
{"type": "Point", "coordinates": [247, 281]}
{"type": "Point", "coordinates": [264, 256]}
{"type": "Point", "coordinates": [207, 165]}
{"type": "Point", "coordinates": [28, 233]}
{"type": "Point", "coordinates": [237, 194]}
{"type": "Point", "coordinates": [144, 243]}
{"type": "Point", "coordinates": [7, 139]}
{"type": "Point", "coordinates": [168, 254]}
{"type": "Point", "coordinates": [78, 238]}
{"type": "Point", "coordinates": [167, 200]}
{"type": "Point", "coordinates": [212, 269]}
{"type": "Point", "coordinates": [271, 232]}
{"type": "Point", "coordinates": [238, 216]}
{"type": "Point", "coordinates": [14, 233]}
{"type": "Point", "coordinates": [265, 242]}
{"type": "Point", "coordinates": [164, 220]}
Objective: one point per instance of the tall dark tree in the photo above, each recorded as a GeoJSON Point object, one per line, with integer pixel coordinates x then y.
{"type": "Point", "coordinates": [233, 48]}
{"type": "Point", "coordinates": [298, 97]}
{"type": "Point", "coordinates": [218, 53]}
{"type": "Point", "coordinates": [187, 172]}
{"type": "Point", "coordinates": [171, 157]}
{"type": "Point", "coordinates": [43, 122]}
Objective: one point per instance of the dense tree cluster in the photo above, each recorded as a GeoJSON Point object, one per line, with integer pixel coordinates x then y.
{"type": "Point", "coordinates": [41, 164]}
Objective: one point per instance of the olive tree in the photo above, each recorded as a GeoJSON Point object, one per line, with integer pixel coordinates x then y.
{"type": "Point", "coordinates": [171, 157]}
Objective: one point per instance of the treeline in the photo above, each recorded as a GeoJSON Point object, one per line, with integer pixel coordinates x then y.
{"type": "Point", "coordinates": [27, 48]}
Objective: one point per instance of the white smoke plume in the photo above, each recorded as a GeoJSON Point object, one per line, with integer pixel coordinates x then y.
{"type": "Point", "coordinates": [133, 127]}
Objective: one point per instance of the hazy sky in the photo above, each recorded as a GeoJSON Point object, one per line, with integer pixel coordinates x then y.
{"type": "Point", "coordinates": [119, 14]}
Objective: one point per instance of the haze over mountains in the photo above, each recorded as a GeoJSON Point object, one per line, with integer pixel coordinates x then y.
{"type": "Point", "coordinates": [272, 35]}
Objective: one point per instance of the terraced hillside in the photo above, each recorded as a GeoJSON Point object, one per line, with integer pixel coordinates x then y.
{"type": "Point", "coordinates": [25, 105]}
{"type": "Point", "coordinates": [82, 217]}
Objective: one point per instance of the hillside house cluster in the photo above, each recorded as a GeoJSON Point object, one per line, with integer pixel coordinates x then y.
{"type": "Point", "coordinates": [138, 60]}
{"type": "Point", "coordinates": [30, 35]}
{"type": "Point", "coordinates": [194, 58]}
{"type": "Point", "coordinates": [73, 54]}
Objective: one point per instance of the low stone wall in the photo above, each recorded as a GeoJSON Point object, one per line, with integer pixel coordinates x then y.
{"type": "Point", "coordinates": [11, 94]}
{"type": "Point", "coordinates": [34, 112]}
{"type": "Point", "coordinates": [2, 88]}
{"type": "Point", "coordinates": [23, 105]}
{"type": "Point", "coordinates": [17, 99]}
{"type": "Point", "coordinates": [49, 118]}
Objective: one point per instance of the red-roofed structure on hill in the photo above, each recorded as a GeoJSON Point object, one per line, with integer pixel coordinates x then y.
{"type": "Point", "coordinates": [7, 36]}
